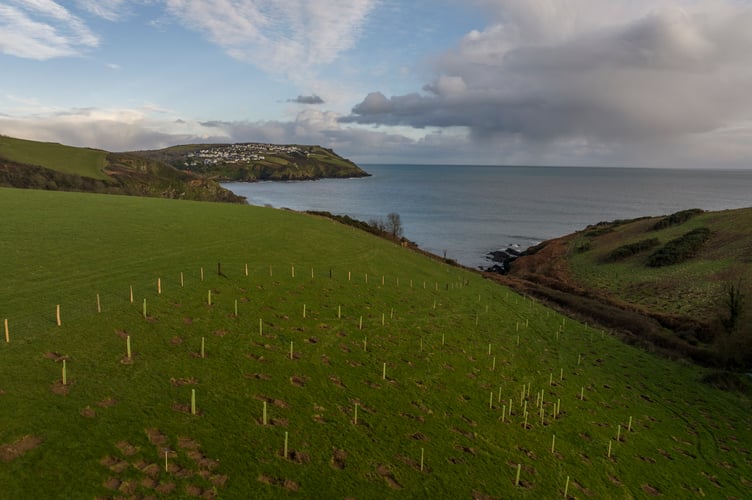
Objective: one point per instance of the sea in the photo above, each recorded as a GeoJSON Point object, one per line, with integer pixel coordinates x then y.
{"type": "Point", "coordinates": [463, 212]}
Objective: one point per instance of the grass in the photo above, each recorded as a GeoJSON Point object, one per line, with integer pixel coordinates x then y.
{"type": "Point", "coordinates": [78, 161]}
{"type": "Point", "coordinates": [688, 287]}
{"type": "Point", "coordinates": [105, 435]}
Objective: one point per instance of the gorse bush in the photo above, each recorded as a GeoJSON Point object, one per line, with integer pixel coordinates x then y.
{"type": "Point", "coordinates": [626, 251]}
{"type": "Point", "coordinates": [676, 218]}
{"type": "Point", "coordinates": [679, 249]}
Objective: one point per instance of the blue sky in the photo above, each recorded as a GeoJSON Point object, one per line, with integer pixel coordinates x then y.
{"type": "Point", "coordinates": [660, 83]}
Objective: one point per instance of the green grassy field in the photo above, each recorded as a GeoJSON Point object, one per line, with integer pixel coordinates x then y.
{"type": "Point", "coordinates": [326, 321]}
{"type": "Point", "coordinates": [683, 288]}
{"type": "Point", "coordinates": [66, 159]}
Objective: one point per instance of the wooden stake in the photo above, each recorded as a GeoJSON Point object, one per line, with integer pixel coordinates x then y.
{"type": "Point", "coordinates": [383, 373]}
{"type": "Point", "coordinates": [65, 374]}
{"type": "Point", "coordinates": [99, 304]}
{"type": "Point", "coordinates": [291, 350]}
{"type": "Point", "coordinates": [629, 426]}
{"type": "Point", "coordinates": [181, 280]}
{"type": "Point", "coordinates": [442, 338]}
{"type": "Point", "coordinates": [582, 393]}
{"type": "Point", "coordinates": [553, 444]}
{"type": "Point", "coordinates": [609, 447]}
{"type": "Point", "coordinates": [128, 346]}
{"type": "Point", "coordinates": [503, 413]}
{"type": "Point", "coordinates": [421, 459]}
{"type": "Point", "coordinates": [165, 459]}
{"type": "Point", "coordinates": [270, 270]}
{"type": "Point", "coordinates": [490, 401]}
{"type": "Point", "coordinates": [355, 419]}
{"type": "Point", "coordinates": [339, 312]}
{"type": "Point", "coordinates": [261, 326]}
{"type": "Point", "coordinates": [517, 479]}
{"type": "Point", "coordinates": [208, 297]}
{"type": "Point", "coordinates": [202, 274]}
{"type": "Point", "coordinates": [292, 271]}
{"type": "Point", "coordinates": [360, 323]}
{"type": "Point", "coordinates": [566, 488]}
{"type": "Point", "coordinates": [263, 415]}
{"type": "Point", "coordinates": [144, 309]}
{"type": "Point", "coordinates": [304, 310]}
{"type": "Point", "coordinates": [159, 286]}
{"type": "Point", "coordinates": [57, 315]}
{"type": "Point", "coordinates": [285, 450]}
{"type": "Point", "coordinates": [236, 308]}
{"type": "Point", "coordinates": [383, 319]}
{"type": "Point", "coordinates": [131, 288]}
{"type": "Point", "coordinates": [7, 332]}
{"type": "Point", "coordinates": [202, 347]}
{"type": "Point", "coordinates": [193, 401]}
{"type": "Point", "coordinates": [246, 269]}
{"type": "Point", "coordinates": [365, 344]}
{"type": "Point", "coordinates": [493, 364]}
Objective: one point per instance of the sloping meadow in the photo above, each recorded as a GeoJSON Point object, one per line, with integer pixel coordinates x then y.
{"type": "Point", "coordinates": [163, 348]}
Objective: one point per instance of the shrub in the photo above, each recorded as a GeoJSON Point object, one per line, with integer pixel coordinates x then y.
{"type": "Point", "coordinates": [676, 218]}
{"type": "Point", "coordinates": [679, 249]}
{"type": "Point", "coordinates": [626, 251]}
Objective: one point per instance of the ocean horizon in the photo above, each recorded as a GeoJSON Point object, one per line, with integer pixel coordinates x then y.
{"type": "Point", "coordinates": [464, 212]}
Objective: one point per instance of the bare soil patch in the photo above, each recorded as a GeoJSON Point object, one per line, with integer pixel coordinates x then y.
{"type": "Point", "coordinates": [88, 412]}
{"type": "Point", "coordinates": [10, 452]}
{"type": "Point", "coordinates": [650, 490]}
{"type": "Point", "coordinates": [338, 459]}
{"type": "Point", "coordinates": [287, 484]}
{"type": "Point", "coordinates": [298, 381]}
{"type": "Point", "coordinates": [384, 472]}
{"type": "Point", "coordinates": [179, 382]}
{"type": "Point", "coordinates": [107, 403]}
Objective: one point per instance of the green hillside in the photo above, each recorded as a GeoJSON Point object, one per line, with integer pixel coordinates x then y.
{"type": "Point", "coordinates": [55, 167]}
{"type": "Point", "coordinates": [674, 271]}
{"type": "Point", "coordinates": [278, 354]}
{"type": "Point", "coordinates": [83, 162]}
{"type": "Point", "coordinates": [248, 162]}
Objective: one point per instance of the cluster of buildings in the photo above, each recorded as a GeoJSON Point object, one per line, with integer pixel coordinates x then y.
{"type": "Point", "coordinates": [238, 153]}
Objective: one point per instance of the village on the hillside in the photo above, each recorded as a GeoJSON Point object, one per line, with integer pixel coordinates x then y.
{"type": "Point", "coordinates": [239, 153]}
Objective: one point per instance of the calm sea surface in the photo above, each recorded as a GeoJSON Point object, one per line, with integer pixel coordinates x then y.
{"type": "Point", "coordinates": [467, 211]}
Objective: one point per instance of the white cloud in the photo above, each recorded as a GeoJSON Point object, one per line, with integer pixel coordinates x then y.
{"type": "Point", "coordinates": [634, 79]}
{"type": "Point", "coordinates": [42, 29]}
{"type": "Point", "coordinates": [287, 37]}
{"type": "Point", "coordinates": [112, 10]}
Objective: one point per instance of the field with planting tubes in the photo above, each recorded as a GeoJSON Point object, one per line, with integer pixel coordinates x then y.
{"type": "Point", "coordinates": [156, 348]}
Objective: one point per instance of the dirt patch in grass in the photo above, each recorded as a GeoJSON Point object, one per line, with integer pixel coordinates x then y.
{"type": "Point", "coordinates": [185, 408]}
{"type": "Point", "coordinates": [187, 321]}
{"type": "Point", "coordinates": [60, 389]}
{"type": "Point", "coordinates": [418, 436]}
{"type": "Point", "coordinates": [220, 333]}
{"type": "Point", "coordinates": [384, 472]}
{"type": "Point", "coordinates": [338, 459]}
{"type": "Point", "coordinates": [583, 489]}
{"type": "Point", "coordinates": [276, 402]}
{"type": "Point", "coordinates": [123, 334]}
{"type": "Point", "coordinates": [56, 357]}
{"type": "Point", "coordinates": [88, 412]}
{"type": "Point", "coordinates": [156, 437]}
{"type": "Point", "coordinates": [298, 381]}
{"type": "Point", "coordinates": [287, 484]}
{"type": "Point", "coordinates": [10, 452]}
{"type": "Point", "coordinates": [336, 381]}
{"type": "Point", "coordinates": [179, 382]}
{"type": "Point", "coordinates": [176, 340]}
{"type": "Point", "coordinates": [107, 403]}
{"type": "Point", "coordinates": [650, 490]}
{"type": "Point", "coordinates": [126, 448]}
{"type": "Point", "coordinates": [258, 376]}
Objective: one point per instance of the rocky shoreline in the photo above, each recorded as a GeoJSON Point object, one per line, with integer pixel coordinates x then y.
{"type": "Point", "coordinates": [502, 260]}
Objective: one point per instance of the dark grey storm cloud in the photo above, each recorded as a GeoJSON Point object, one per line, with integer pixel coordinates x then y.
{"type": "Point", "coordinates": [307, 99]}
{"type": "Point", "coordinates": [668, 74]}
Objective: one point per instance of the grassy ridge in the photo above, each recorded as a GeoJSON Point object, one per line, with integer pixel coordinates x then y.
{"type": "Point", "coordinates": [70, 160]}
{"type": "Point", "coordinates": [107, 434]}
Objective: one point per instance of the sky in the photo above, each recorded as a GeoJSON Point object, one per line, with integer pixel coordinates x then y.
{"type": "Point", "coordinates": [628, 83]}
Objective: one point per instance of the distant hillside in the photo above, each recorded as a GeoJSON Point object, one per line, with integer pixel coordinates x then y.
{"type": "Point", "coordinates": [249, 162]}
{"type": "Point", "coordinates": [667, 282]}
{"type": "Point", "coordinates": [50, 166]}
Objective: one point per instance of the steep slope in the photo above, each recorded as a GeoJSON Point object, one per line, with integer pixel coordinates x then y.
{"type": "Point", "coordinates": [56, 167]}
{"type": "Point", "coordinates": [662, 280]}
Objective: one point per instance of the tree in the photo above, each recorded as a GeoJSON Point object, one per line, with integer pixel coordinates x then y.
{"type": "Point", "coordinates": [394, 225]}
